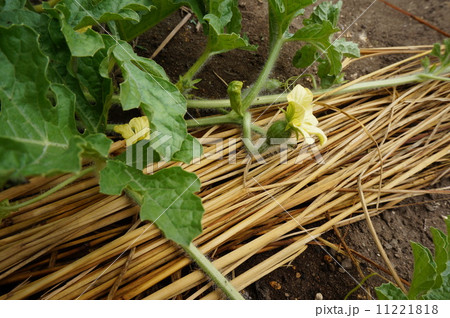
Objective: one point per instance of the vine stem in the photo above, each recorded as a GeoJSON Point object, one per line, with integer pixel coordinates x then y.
{"type": "Point", "coordinates": [264, 75]}
{"type": "Point", "coordinates": [212, 272]}
{"type": "Point", "coordinates": [187, 77]}
{"type": "Point", "coordinates": [205, 264]}
{"type": "Point", "coordinates": [269, 99]}
{"type": "Point", "coordinates": [247, 133]}
{"type": "Point", "coordinates": [49, 192]}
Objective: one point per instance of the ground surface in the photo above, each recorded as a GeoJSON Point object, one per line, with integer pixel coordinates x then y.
{"type": "Point", "coordinates": [371, 24]}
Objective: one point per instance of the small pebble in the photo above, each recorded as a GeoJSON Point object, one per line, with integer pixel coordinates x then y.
{"type": "Point", "coordinates": [319, 296]}
{"type": "Point", "coordinates": [341, 270]}
{"type": "Point", "coordinates": [298, 275]}
{"type": "Point", "coordinates": [286, 294]}
{"type": "Point", "coordinates": [347, 263]}
{"type": "Point", "coordinates": [275, 285]}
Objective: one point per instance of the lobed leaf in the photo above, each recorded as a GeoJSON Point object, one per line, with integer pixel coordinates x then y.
{"type": "Point", "coordinates": [36, 137]}
{"type": "Point", "coordinates": [160, 100]}
{"type": "Point", "coordinates": [159, 10]}
{"type": "Point", "coordinates": [326, 11]}
{"type": "Point", "coordinates": [424, 271]}
{"type": "Point", "coordinates": [168, 197]}
{"type": "Point", "coordinates": [281, 14]}
{"type": "Point", "coordinates": [224, 26]}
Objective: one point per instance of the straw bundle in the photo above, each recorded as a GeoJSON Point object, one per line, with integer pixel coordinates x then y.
{"type": "Point", "coordinates": [79, 244]}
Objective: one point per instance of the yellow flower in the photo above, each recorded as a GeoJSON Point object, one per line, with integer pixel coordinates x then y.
{"type": "Point", "coordinates": [299, 115]}
{"type": "Point", "coordinates": [137, 129]}
{"type": "Point", "coordinates": [84, 29]}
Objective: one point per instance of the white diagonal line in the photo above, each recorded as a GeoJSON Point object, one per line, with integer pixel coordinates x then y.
{"type": "Point", "coordinates": [307, 232]}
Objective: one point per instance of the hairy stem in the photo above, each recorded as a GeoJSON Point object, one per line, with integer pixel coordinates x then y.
{"type": "Point", "coordinates": [230, 118]}
{"type": "Point", "coordinates": [264, 75]}
{"type": "Point", "coordinates": [212, 272]}
{"type": "Point", "coordinates": [49, 192]}
{"type": "Point", "coordinates": [186, 79]}
{"type": "Point", "coordinates": [280, 98]}
{"type": "Point", "coordinates": [200, 259]}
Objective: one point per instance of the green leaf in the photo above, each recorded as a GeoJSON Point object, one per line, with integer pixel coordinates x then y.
{"type": "Point", "coordinates": [11, 4]}
{"type": "Point", "coordinates": [87, 12]}
{"type": "Point", "coordinates": [424, 271]}
{"type": "Point", "coordinates": [326, 11]}
{"type": "Point", "coordinates": [160, 9]}
{"type": "Point", "coordinates": [81, 44]}
{"type": "Point", "coordinates": [160, 100]}
{"type": "Point", "coordinates": [224, 21]}
{"type": "Point", "coordinates": [443, 292]}
{"type": "Point", "coordinates": [168, 197]}
{"type": "Point", "coordinates": [87, 71]}
{"type": "Point", "coordinates": [390, 292]}
{"type": "Point", "coordinates": [317, 34]}
{"type": "Point", "coordinates": [281, 14]}
{"type": "Point", "coordinates": [190, 149]}
{"type": "Point", "coordinates": [35, 136]}
{"type": "Point", "coordinates": [139, 155]}
{"type": "Point", "coordinates": [305, 56]}
{"type": "Point", "coordinates": [77, 14]}
{"type": "Point", "coordinates": [347, 48]}
{"type": "Point", "coordinates": [53, 44]}
{"type": "Point", "coordinates": [440, 254]}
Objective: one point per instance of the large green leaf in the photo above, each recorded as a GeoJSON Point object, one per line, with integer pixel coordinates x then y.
{"type": "Point", "coordinates": [53, 45]}
{"type": "Point", "coordinates": [36, 137]}
{"type": "Point", "coordinates": [424, 271]}
{"type": "Point", "coordinates": [160, 100]}
{"type": "Point", "coordinates": [168, 197]}
{"type": "Point", "coordinates": [141, 154]}
{"type": "Point", "coordinates": [77, 14]}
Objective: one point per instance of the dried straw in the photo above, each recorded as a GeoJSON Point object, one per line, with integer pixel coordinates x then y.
{"type": "Point", "coordinates": [79, 244]}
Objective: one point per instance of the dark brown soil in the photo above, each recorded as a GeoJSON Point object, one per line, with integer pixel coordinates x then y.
{"type": "Point", "coordinates": [370, 24]}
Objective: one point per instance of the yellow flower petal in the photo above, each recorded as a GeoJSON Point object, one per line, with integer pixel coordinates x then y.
{"type": "Point", "coordinates": [300, 95]}
{"type": "Point", "coordinates": [137, 129]}
{"type": "Point", "coordinates": [125, 130]}
{"type": "Point", "coordinates": [300, 117]}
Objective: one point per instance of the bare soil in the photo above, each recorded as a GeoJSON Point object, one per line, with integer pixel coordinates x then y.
{"type": "Point", "coordinates": [370, 24]}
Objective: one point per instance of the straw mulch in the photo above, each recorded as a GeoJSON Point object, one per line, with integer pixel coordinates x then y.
{"type": "Point", "coordinates": [383, 147]}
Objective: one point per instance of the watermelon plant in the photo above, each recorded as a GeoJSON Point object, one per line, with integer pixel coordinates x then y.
{"type": "Point", "coordinates": [431, 277]}
{"type": "Point", "coordinates": [64, 64]}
